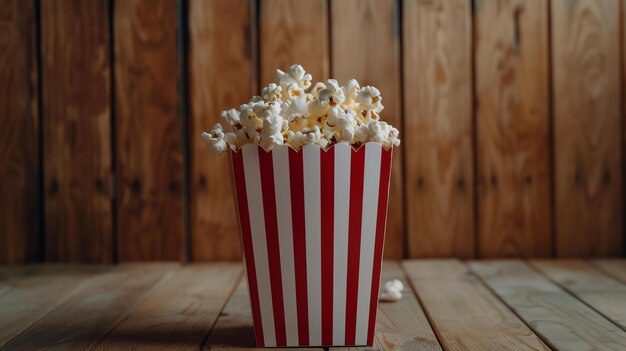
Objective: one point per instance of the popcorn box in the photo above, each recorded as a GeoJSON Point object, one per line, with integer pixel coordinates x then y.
{"type": "Point", "coordinates": [313, 227]}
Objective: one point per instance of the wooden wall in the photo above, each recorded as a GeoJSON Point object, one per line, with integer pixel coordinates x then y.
{"type": "Point", "coordinates": [511, 114]}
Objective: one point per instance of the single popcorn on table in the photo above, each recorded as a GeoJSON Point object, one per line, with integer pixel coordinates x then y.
{"type": "Point", "coordinates": [293, 111]}
{"type": "Point", "coordinates": [392, 291]}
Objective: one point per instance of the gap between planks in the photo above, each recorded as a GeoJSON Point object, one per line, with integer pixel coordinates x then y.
{"type": "Point", "coordinates": [463, 312]}
{"type": "Point", "coordinates": [560, 319]}
{"type": "Point", "coordinates": [590, 285]}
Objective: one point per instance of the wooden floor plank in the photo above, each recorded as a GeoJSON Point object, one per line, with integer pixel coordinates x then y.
{"type": "Point", "coordinates": [564, 322]}
{"type": "Point", "coordinates": [464, 313]}
{"type": "Point", "coordinates": [234, 329]}
{"type": "Point", "coordinates": [179, 311]}
{"type": "Point", "coordinates": [590, 285]}
{"type": "Point", "coordinates": [91, 311]}
{"type": "Point", "coordinates": [614, 267]}
{"type": "Point", "coordinates": [402, 324]}
{"type": "Point", "coordinates": [28, 293]}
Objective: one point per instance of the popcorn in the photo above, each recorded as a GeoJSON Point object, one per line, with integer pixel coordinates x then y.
{"type": "Point", "coordinates": [230, 118]}
{"type": "Point", "coordinates": [369, 99]}
{"type": "Point", "coordinates": [392, 291]}
{"type": "Point", "coordinates": [272, 93]}
{"type": "Point", "coordinates": [215, 139]}
{"type": "Point", "coordinates": [291, 111]}
{"type": "Point", "coordinates": [313, 136]}
{"type": "Point", "coordinates": [295, 77]}
{"type": "Point", "coordinates": [370, 104]}
{"type": "Point", "coordinates": [332, 95]}
{"type": "Point", "coordinates": [350, 90]}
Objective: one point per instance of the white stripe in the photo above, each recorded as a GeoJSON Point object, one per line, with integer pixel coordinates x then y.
{"type": "Point", "coordinates": [342, 216]}
{"type": "Point", "coordinates": [368, 238]}
{"type": "Point", "coordinates": [259, 243]}
{"type": "Point", "coordinates": [312, 215]}
{"type": "Point", "coordinates": [285, 237]}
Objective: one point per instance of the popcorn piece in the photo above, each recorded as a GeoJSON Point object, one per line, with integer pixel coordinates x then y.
{"type": "Point", "coordinates": [296, 77]}
{"type": "Point", "coordinates": [370, 104]}
{"type": "Point", "coordinates": [339, 119]}
{"type": "Point", "coordinates": [319, 86]}
{"type": "Point", "coordinates": [390, 295]}
{"type": "Point", "coordinates": [394, 284]}
{"type": "Point", "coordinates": [249, 119]}
{"type": "Point", "coordinates": [230, 118]}
{"type": "Point", "coordinates": [361, 134]}
{"type": "Point", "coordinates": [215, 139]}
{"type": "Point", "coordinates": [332, 95]}
{"type": "Point", "coordinates": [393, 139]}
{"type": "Point", "coordinates": [272, 93]}
{"type": "Point", "coordinates": [314, 136]}
{"type": "Point", "coordinates": [378, 131]}
{"type": "Point", "coordinates": [265, 110]}
{"type": "Point", "coordinates": [392, 291]}
{"type": "Point", "coordinates": [350, 90]}
{"type": "Point", "coordinates": [271, 134]}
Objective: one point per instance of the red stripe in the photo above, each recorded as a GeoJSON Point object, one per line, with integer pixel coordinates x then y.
{"type": "Point", "coordinates": [296, 182]}
{"type": "Point", "coordinates": [327, 175]}
{"type": "Point", "coordinates": [266, 165]}
{"type": "Point", "coordinates": [357, 165]}
{"type": "Point", "coordinates": [381, 222]}
{"type": "Point", "coordinates": [246, 235]}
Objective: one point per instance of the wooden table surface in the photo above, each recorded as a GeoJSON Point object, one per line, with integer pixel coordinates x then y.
{"type": "Point", "coordinates": [448, 305]}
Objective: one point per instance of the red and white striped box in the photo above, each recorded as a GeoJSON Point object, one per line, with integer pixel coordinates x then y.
{"type": "Point", "coordinates": [313, 228]}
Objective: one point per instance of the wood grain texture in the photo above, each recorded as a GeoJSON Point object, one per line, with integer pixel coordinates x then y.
{"type": "Point", "coordinates": [76, 130]}
{"type": "Point", "coordinates": [512, 128]}
{"type": "Point", "coordinates": [294, 32]}
{"type": "Point", "coordinates": [19, 129]}
{"type": "Point", "coordinates": [400, 325]}
{"type": "Point", "coordinates": [234, 329]}
{"type": "Point", "coordinates": [91, 312]}
{"type": "Point", "coordinates": [463, 312]}
{"type": "Point", "coordinates": [581, 279]}
{"type": "Point", "coordinates": [148, 145]}
{"type": "Point", "coordinates": [563, 322]}
{"type": "Point", "coordinates": [587, 128]}
{"type": "Point", "coordinates": [27, 296]}
{"type": "Point", "coordinates": [439, 179]}
{"type": "Point", "coordinates": [367, 48]}
{"type": "Point", "coordinates": [614, 267]}
{"type": "Point", "coordinates": [220, 77]}
{"type": "Point", "coordinates": [179, 312]}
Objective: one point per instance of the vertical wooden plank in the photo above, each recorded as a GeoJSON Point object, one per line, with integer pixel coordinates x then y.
{"type": "Point", "coordinates": [76, 121]}
{"type": "Point", "coordinates": [19, 130]}
{"type": "Point", "coordinates": [512, 128]}
{"type": "Point", "coordinates": [365, 42]}
{"type": "Point", "coordinates": [148, 146]}
{"type": "Point", "coordinates": [294, 32]}
{"type": "Point", "coordinates": [438, 128]}
{"type": "Point", "coordinates": [220, 77]}
{"type": "Point", "coordinates": [587, 127]}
